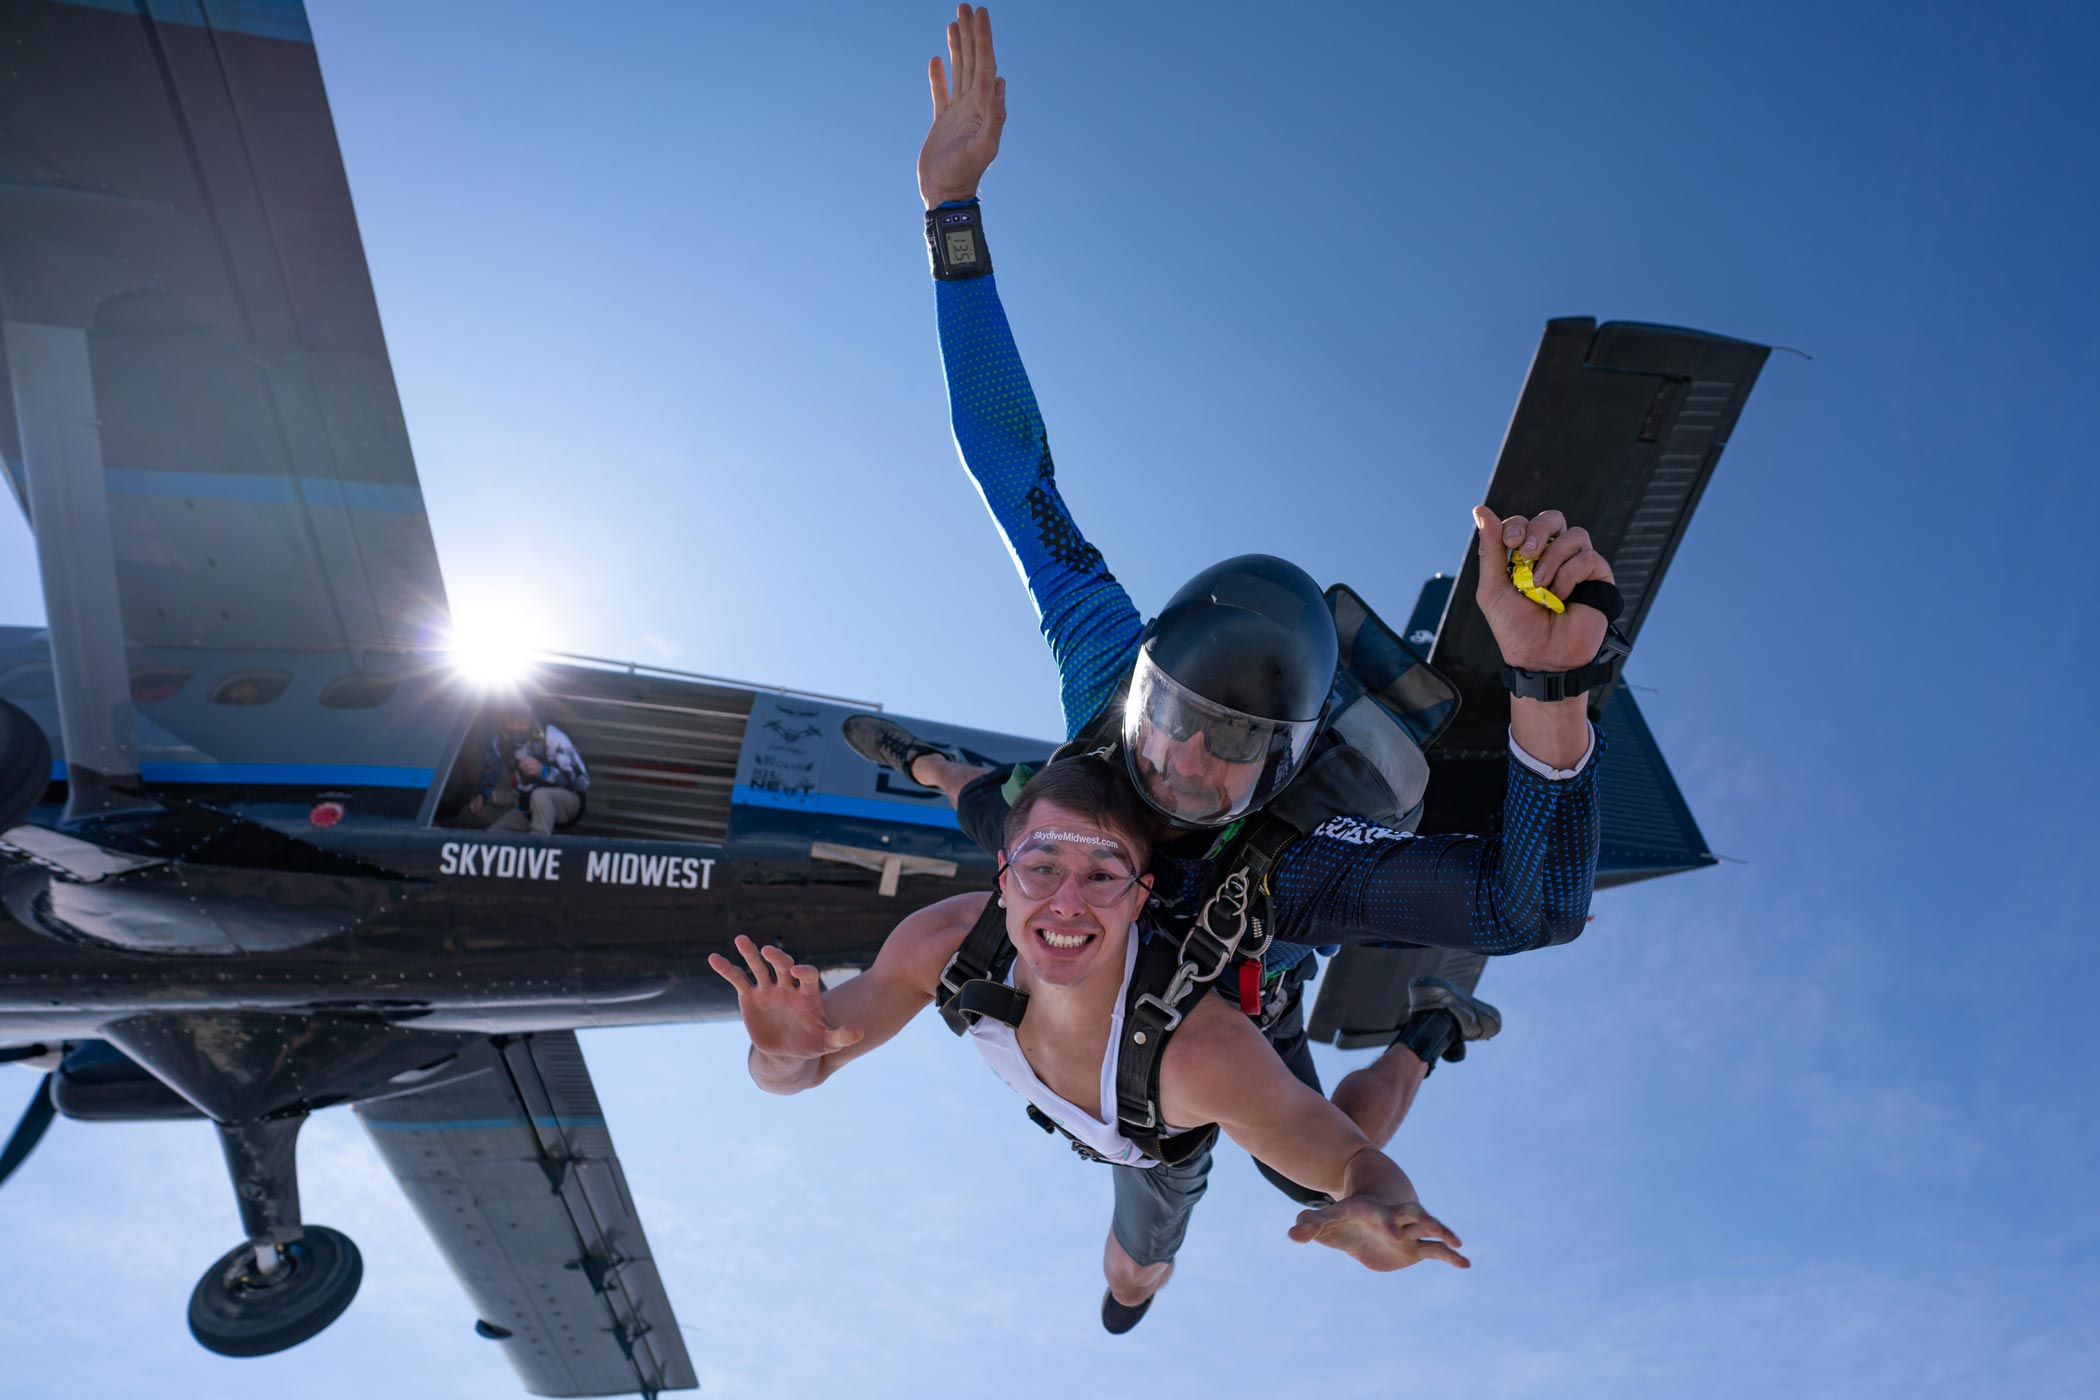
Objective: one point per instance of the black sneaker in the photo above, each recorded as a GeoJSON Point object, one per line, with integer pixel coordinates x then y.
{"type": "Point", "coordinates": [888, 744]}
{"type": "Point", "coordinates": [1119, 1318]}
{"type": "Point", "coordinates": [1476, 1019]}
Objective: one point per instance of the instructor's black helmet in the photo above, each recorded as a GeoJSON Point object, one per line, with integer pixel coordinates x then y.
{"type": "Point", "coordinates": [1230, 688]}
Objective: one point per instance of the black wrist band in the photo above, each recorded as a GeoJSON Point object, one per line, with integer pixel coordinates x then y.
{"type": "Point", "coordinates": [1600, 594]}
{"type": "Point", "coordinates": [1564, 685]}
{"type": "Point", "coordinates": [955, 242]}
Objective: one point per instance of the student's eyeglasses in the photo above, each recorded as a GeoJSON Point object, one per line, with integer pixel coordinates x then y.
{"type": "Point", "coordinates": [1041, 871]}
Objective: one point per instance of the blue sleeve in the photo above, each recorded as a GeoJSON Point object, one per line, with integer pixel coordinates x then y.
{"type": "Point", "coordinates": [1528, 886]}
{"type": "Point", "coordinates": [1086, 616]}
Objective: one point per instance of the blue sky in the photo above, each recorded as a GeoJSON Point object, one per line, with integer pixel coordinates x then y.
{"type": "Point", "coordinates": [1822, 1120]}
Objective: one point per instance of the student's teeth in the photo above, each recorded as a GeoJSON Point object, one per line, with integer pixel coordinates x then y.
{"type": "Point", "coordinates": [1063, 940]}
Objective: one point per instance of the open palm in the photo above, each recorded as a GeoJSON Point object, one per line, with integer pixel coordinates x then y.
{"type": "Point", "coordinates": [782, 1004]}
{"type": "Point", "coordinates": [1380, 1236]}
{"type": "Point", "coordinates": [967, 120]}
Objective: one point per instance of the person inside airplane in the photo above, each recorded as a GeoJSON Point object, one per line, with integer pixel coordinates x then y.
{"type": "Point", "coordinates": [1082, 950]}
{"type": "Point", "coordinates": [1234, 775]}
{"type": "Point", "coordinates": [536, 761]}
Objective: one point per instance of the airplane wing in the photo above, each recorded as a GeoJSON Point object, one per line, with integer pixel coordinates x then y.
{"type": "Point", "coordinates": [1619, 426]}
{"type": "Point", "coordinates": [508, 1161]}
{"type": "Point", "coordinates": [200, 419]}
{"type": "Point", "coordinates": [174, 194]}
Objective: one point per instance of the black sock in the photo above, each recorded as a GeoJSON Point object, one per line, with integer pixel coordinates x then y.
{"type": "Point", "coordinates": [1433, 1036]}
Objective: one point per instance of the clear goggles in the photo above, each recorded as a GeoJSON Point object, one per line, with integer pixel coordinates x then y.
{"type": "Point", "coordinates": [1043, 862]}
{"type": "Point", "coordinates": [1200, 763]}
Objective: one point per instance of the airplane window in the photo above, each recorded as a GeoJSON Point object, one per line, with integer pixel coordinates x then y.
{"type": "Point", "coordinates": [250, 687]}
{"type": "Point", "coordinates": [151, 683]}
{"type": "Point", "coordinates": [360, 690]}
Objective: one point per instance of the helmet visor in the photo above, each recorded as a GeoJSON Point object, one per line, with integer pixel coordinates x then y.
{"type": "Point", "coordinates": [1200, 763]}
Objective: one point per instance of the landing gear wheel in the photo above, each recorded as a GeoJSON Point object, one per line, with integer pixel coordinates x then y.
{"type": "Point", "coordinates": [238, 1310]}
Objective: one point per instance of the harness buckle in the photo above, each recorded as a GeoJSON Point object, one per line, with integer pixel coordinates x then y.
{"type": "Point", "coordinates": [1167, 1009]}
{"type": "Point", "coordinates": [1231, 897]}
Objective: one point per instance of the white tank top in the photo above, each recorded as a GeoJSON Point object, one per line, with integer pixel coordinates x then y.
{"type": "Point", "coordinates": [995, 1041]}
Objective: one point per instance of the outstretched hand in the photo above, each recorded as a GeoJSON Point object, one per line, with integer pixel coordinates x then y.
{"type": "Point", "coordinates": [782, 1004]}
{"type": "Point", "coordinates": [1532, 637]}
{"type": "Point", "coordinates": [1380, 1236]}
{"type": "Point", "coordinates": [968, 117]}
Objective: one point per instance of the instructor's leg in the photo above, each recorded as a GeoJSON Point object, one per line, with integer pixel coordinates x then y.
{"type": "Point", "coordinates": [949, 775]}
{"type": "Point", "coordinates": [1378, 1096]}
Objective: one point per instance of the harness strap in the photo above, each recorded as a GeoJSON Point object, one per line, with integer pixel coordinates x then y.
{"type": "Point", "coordinates": [981, 997]}
{"type": "Point", "coordinates": [982, 959]}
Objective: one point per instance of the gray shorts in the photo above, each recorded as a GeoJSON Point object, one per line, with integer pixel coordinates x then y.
{"type": "Point", "coordinates": [1153, 1205]}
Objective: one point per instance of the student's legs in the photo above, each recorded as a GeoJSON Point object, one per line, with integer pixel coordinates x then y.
{"type": "Point", "coordinates": [1151, 1220]}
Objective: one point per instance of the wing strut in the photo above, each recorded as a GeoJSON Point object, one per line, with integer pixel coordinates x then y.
{"type": "Point", "coordinates": [54, 391]}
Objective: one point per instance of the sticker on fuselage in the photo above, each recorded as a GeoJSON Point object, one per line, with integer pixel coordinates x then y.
{"type": "Point", "coordinates": [512, 862]}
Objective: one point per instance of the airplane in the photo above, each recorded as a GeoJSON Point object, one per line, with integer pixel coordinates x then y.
{"type": "Point", "coordinates": [236, 882]}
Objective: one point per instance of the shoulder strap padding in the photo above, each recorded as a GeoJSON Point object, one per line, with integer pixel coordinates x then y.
{"type": "Point", "coordinates": [984, 956]}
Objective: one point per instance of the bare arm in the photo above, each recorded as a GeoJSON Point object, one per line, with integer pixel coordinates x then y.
{"type": "Point", "coordinates": [1218, 1069]}
{"type": "Point", "coordinates": [802, 1034]}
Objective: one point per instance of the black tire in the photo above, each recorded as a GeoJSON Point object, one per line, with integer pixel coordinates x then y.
{"type": "Point", "coordinates": [25, 765]}
{"type": "Point", "coordinates": [236, 1312]}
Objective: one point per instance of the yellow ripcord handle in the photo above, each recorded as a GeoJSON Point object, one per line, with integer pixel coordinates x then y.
{"type": "Point", "coordinates": [1520, 574]}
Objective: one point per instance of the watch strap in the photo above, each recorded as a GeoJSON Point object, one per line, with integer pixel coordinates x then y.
{"type": "Point", "coordinates": [1564, 685]}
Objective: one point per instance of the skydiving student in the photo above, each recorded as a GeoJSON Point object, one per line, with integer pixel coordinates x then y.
{"type": "Point", "coordinates": [1215, 708]}
{"type": "Point", "coordinates": [1071, 900]}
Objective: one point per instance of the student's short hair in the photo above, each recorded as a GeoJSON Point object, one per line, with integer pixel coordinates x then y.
{"type": "Point", "coordinates": [1088, 786]}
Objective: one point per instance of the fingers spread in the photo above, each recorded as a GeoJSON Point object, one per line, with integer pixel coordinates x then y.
{"type": "Point", "coordinates": [957, 69]}
{"type": "Point", "coordinates": [728, 972]}
{"type": "Point", "coordinates": [806, 978]}
{"type": "Point", "coordinates": [1430, 1225]}
{"type": "Point", "coordinates": [937, 79]}
{"type": "Point", "coordinates": [1430, 1249]}
{"type": "Point", "coordinates": [966, 50]}
{"type": "Point", "coordinates": [987, 65]}
{"type": "Point", "coordinates": [783, 966]}
{"type": "Point", "coordinates": [748, 951]}
{"type": "Point", "coordinates": [1311, 1223]}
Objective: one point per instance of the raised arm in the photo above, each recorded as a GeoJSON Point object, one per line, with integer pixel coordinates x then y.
{"type": "Point", "coordinates": [802, 1034]}
{"type": "Point", "coordinates": [1084, 613]}
{"type": "Point", "coordinates": [1219, 1069]}
{"type": "Point", "coordinates": [1353, 881]}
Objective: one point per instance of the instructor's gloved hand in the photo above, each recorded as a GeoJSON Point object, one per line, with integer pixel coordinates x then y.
{"type": "Point", "coordinates": [967, 121]}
